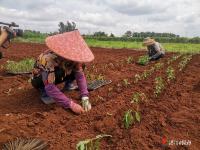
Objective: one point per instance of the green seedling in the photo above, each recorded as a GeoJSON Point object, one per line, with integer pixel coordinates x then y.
{"type": "Point", "coordinates": [90, 77]}
{"type": "Point", "coordinates": [158, 66]}
{"type": "Point", "coordinates": [146, 74]}
{"type": "Point", "coordinates": [135, 98]}
{"type": "Point", "coordinates": [91, 144]}
{"type": "Point", "coordinates": [137, 116]}
{"type": "Point", "coordinates": [100, 77]}
{"type": "Point", "coordinates": [128, 119]}
{"type": "Point", "coordinates": [105, 66]}
{"type": "Point", "coordinates": [184, 62]}
{"type": "Point", "coordinates": [126, 82]}
{"type": "Point", "coordinates": [129, 60]}
{"type": "Point", "coordinates": [170, 73]}
{"type": "Point", "coordinates": [23, 66]}
{"type": "Point", "coordinates": [143, 60]}
{"type": "Point", "coordinates": [137, 78]}
{"type": "Point", "coordinates": [152, 70]}
{"type": "Point", "coordinates": [173, 59]}
{"type": "Point", "coordinates": [138, 97]}
{"type": "Point", "coordinates": [159, 86]}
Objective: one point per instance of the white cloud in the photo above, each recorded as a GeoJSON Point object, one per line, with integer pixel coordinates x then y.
{"type": "Point", "coordinates": [180, 16]}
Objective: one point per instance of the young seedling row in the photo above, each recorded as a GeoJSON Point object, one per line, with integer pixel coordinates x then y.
{"type": "Point", "coordinates": [159, 85]}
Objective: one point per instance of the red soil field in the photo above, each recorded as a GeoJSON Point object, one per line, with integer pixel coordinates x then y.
{"type": "Point", "coordinates": [175, 114]}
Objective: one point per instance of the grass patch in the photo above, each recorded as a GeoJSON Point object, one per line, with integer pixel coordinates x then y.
{"type": "Point", "coordinates": [23, 66]}
{"type": "Point", "coordinates": [170, 47]}
{"type": "Point", "coordinates": [30, 40]}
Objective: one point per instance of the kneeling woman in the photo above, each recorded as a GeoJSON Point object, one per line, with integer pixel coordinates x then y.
{"type": "Point", "coordinates": [155, 49]}
{"type": "Point", "coordinates": [63, 63]}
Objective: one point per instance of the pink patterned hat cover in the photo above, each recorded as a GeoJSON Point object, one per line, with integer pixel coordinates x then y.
{"type": "Point", "coordinates": [71, 46]}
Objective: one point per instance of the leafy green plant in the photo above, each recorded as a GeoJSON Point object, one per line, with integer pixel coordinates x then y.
{"type": "Point", "coordinates": [138, 97]}
{"type": "Point", "coordinates": [128, 119]}
{"type": "Point", "coordinates": [91, 144]}
{"type": "Point", "coordinates": [23, 66]}
{"type": "Point", "coordinates": [143, 60]}
{"type": "Point", "coordinates": [159, 86]}
{"type": "Point", "coordinates": [129, 60]}
{"type": "Point", "coordinates": [137, 116]}
{"type": "Point", "coordinates": [170, 73]}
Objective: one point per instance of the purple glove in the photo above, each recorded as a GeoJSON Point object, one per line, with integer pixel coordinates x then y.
{"type": "Point", "coordinates": [57, 95]}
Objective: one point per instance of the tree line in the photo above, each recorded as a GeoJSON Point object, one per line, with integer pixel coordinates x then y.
{"type": "Point", "coordinates": [127, 36]}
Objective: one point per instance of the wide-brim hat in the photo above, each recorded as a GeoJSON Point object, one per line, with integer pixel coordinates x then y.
{"type": "Point", "coordinates": [148, 41]}
{"type": "Point", "coordinates": [71, 46]}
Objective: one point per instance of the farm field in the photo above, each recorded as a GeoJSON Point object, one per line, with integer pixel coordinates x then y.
{"type": "Point", "coordinates": [169, 47]}
{"type": "Point", "coordinates": [169, 106]}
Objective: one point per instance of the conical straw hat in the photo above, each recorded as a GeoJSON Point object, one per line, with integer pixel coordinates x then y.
{"type": "Point", "coordinates": [71, 46]}
{"type": "Point", "coordinates": [148, 41]}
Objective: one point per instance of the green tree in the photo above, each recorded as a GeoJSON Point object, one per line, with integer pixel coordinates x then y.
{"type": "Point", "coordinates": [69, 26]}
{"type": "Point", "coordinates": [128, 34]}
{"type": "Point", "coordinates": [112, 35]}
{"type": "Point", "coordinates": [100, 34]}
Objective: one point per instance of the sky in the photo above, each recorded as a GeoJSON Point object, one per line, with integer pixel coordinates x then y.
{"type": "Point", "coordinates": [181, 17]}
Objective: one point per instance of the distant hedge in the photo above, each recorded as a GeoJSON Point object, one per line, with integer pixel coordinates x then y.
{"type": "Point", "coordinates": [195, 40]}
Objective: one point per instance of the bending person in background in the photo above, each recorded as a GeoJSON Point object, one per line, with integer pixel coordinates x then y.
{"type": "Point", "coordinates": [63, 63]}
{"type": "Point", "coordinates": [155, 49]}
